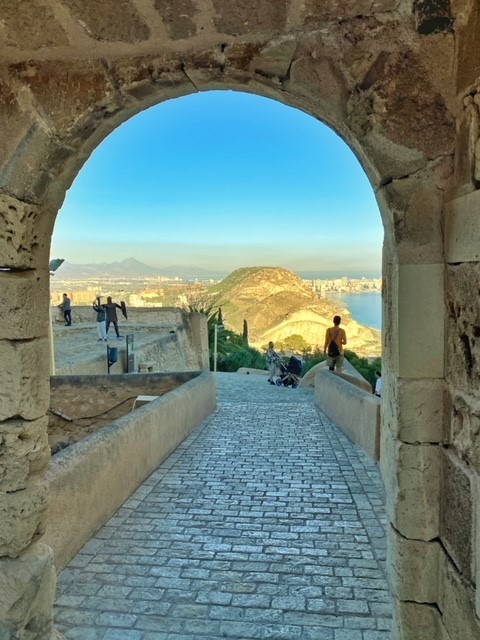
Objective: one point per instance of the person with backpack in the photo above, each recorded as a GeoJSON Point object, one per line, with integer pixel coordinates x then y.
{"type": "Point", "coordinates": [335, 338]}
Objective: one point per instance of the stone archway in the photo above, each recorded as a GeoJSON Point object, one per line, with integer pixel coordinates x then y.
{"type": "Point", "coordinates": [390, 78]}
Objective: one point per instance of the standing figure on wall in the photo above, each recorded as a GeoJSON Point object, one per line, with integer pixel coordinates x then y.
{"type": "Point", "coordinates": [66, 307]}
{"type": "Point", "coordinates": [101, 320]}
{"type": "Point", "coordinates": [111, 315]}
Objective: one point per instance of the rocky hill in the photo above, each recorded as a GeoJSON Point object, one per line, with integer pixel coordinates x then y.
{"type": "Point", "coordinates": [277, 304]}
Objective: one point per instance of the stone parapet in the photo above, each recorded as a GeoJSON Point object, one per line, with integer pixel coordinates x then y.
{"type": "Point", "coordinates": [352, 409]}
{"type": "Point", "coordinates": [91, 479]}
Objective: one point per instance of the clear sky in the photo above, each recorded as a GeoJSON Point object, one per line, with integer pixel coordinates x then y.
{"type": "Point", "coordinates": [222, 180]}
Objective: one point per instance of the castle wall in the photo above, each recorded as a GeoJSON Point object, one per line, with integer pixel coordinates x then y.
{"type": "Point", "coordinates": [396, 80]}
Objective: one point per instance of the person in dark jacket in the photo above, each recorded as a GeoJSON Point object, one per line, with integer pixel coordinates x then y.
{"type": "Point", "coordinates": [111, 315]}
{"type": "Point", "coordinates": [66, 307]}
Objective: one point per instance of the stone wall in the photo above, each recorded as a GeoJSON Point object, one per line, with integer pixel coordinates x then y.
{"type": "Point", "coordinates": [170, 339]}
{"type": "Point", "coordinates": [355, 411]}
{"type": "Point", "coordinates": [91, 479]}
{"type": "Point", "coordinates": [398, 81]}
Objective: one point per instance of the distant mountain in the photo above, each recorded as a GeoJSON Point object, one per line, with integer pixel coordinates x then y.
{"type": "Point", "coordinates": [277, 304]}
{"type": "Point", "coordinates": [129, 268]}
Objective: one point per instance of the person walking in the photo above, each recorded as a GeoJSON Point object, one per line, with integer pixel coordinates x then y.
{"type": "Point", "coordinates": [335, 339]}
{"type": "Point", "coordinates": [378, 384]}
{"type": "Point", "coordinates": [271, 357]}
{"type": "Point", "coordinates": [111, 316]}
{"type": "Point", "coordinates": [66, 307]}
{"type": "Point", "coordinates": [101, 320]}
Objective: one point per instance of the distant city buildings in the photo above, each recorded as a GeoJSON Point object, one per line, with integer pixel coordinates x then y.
{"type": "Point", "coordinates": [168, 292]}
{"type": "Point", "coordinates": [345, 285]}
{"type": "Point", "coordinates": [136, 292]}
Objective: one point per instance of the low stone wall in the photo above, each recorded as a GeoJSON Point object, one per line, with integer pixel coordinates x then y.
{"type": "Point", "coordinates": [355, 411]}
{"type": "Point", "coordinates": [171, 338]}
{"type": "Point", "coordinates": [90, 480]}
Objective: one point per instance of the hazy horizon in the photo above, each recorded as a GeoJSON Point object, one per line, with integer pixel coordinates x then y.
{"type": "Point", "coordinates": [306, 274]}
{"type": "Point", "coordinates": [223, 180]}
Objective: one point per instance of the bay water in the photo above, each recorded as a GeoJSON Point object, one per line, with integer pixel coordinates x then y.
{"type": "Point", "coordinates": [365, 308]}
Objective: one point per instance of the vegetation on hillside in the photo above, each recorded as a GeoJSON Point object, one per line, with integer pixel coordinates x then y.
{"type": "Point", "coordinates": [246, 285]}
{"type": "Point", "coordinates": [233, 353]}
{"type": "Point", "coordinates": [276, 303]}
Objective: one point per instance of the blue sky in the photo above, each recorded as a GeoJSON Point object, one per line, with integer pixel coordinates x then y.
{"type": "Point", "coordinates": [222, 180]}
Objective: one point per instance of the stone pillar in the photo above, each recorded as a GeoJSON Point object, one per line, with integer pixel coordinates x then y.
{"type": "Point", "coordinates": [198, 323]}
{"type": "Point", "coordinates": [27, 577]}
{"type": "Point", "coordinates": [460, 522]}
{"type": "Point", "coordinates": [413, 404]}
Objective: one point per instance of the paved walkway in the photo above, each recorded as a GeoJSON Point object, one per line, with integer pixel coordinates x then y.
{"type": "Point", "coordinates": [265, 523]}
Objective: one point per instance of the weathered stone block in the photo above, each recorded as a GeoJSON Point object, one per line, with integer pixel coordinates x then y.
{"type": "Point", "coordinates": [328, 97]}
{"type": "Point", "coordinates": [39, 154]}
{"type": "Point", "coordinates": [178, 16]}
{"type": "Point", "coordinates": [24, 313]}
{"type": "Point", "coordinates": [151, 80]}
{"type": "Point", "coordinates": [420, 310]}
{"type": "Point", "coordinates": [319, 12]}
{"type": "Point", "coordinates": [458, 606]}
{"type": "Point", "coordinates": [414, 410]}
{"type": "Point", "coordinates": [32, 26]}
{"type": "Point", "coordinates": [68, 94]}
{"type": "Point", "coordinates": [236, 18]}
{"type": "Point", "coordinates": [462, 284]}
{"type": "Point", "coordinates": [393, 158]}
{"type": "Point", "coordinates": [414, 621]}
{"type": "Point", "coordinates": [457, 517]}
{"type": "Point", "coordinates": [27, 591]}
{"type": "Point", "coordinates": [462, 229]}
{"type": "Point", "coordinates": [468, 61]}
{"type": "Point", "coordinates": [412, 476]}
{"type": "Point", "coordinates": [22, 518]}
{"type": "Point", "coordinates": [24, 450]}
{"type": "Point", "coordinates": [414, 205]}
{"type": "Point", "coordinates": [414, 568]}
{"type": "Point", "coordinates": [125, 24]}
{"type": "Point", "coordinates": [465, 429]}
{"type": "Point", "coordinates": [21, 235]}
{"type": "Point", "coordinates": [24, 378]}
{"type": "Point", "coordinates": [275, 58]}
{"type": "Point", "coordinates": [15, 126]}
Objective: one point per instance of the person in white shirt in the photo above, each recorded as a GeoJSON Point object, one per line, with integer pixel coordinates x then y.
{"type": "Point", "coordinates": [378, 384]}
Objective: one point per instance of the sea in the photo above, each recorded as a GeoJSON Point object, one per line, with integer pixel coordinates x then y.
{"type": "Point", "coordinates": [365, 308]}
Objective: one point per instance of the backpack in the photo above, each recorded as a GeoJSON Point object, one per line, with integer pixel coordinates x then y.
{"type": "Point", "coordinates": [333, 351]}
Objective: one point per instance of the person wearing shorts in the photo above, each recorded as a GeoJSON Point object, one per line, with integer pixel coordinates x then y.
{"type": "Point", "coordinates": [338, 337]}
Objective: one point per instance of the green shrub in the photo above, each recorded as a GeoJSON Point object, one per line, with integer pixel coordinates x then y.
{"type": "Point", "coordinates": [246, 357]}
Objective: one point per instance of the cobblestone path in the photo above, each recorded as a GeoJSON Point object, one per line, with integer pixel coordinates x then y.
{"type": "Point", "coordinates": [265, 523]}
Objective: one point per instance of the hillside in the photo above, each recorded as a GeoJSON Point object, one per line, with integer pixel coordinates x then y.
{"type": "Point", "coordinates": [128, 268]}
{"type": "Point", "coordinates": [276, 304]}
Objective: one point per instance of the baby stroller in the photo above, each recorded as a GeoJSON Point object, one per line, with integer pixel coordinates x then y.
{"type": "Point", "coordinates": [289, 373]}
